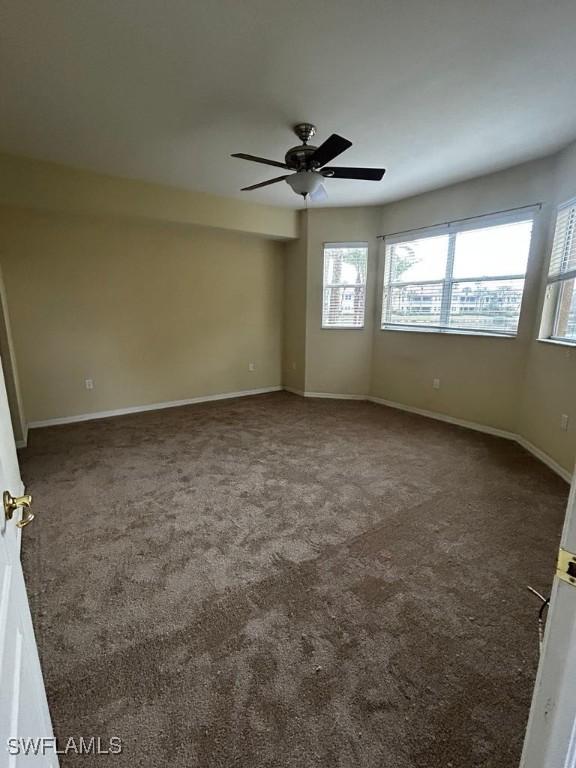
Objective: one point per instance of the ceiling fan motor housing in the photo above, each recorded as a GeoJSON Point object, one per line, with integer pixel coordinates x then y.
{"type": "Point", "coordinates": [297, 158]}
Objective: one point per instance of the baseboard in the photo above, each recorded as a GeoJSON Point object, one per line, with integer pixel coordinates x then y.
{"type": "Point", "coordinates": [539, 454]}
{"type": "Point", "coordinates": [24, 442]}
{"type": "Point", "coordinates": [151, 407]}
{"type": "Point", "coordinates": [526, 444]}
{"type": "Point", "coordinates": [298, 392]}
{"type": "Point", "coordinates": [334, 396]}
{"type": "Point", "coordinates": [325, 395]}
{"type": "Point", "coordinates": [443, 417]}
{"type": "Point", "coordinates": [544, 458]}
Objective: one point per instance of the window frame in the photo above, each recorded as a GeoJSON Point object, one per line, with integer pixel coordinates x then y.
{"type": "Point", "coordinates": [347, 244]}
{"type": "Point", "coordinates": [554, 284]}
{"type": "Point", "coordinates": [448, 281]}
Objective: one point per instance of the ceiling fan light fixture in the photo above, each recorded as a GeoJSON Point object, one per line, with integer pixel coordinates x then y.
{"type": "Point", "coordinates": [310, 165]}
{"type": "Point", "coordinates": [305, 182]}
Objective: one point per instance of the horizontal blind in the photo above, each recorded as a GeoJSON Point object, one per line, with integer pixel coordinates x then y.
{"type": "Point", "coordinates": [562, 275]}
{"type": "Point", "coordinates": [462, 278]}
{"type": "Point", "coordinates": [563, 257]}
{"type": "Point", "coordinates": [344, 294]}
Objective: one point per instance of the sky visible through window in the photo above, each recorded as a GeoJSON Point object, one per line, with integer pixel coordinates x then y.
{"type": "Point", "coordinates": [470, 280]}
{"type": "Point", "coordinates": [491, 252]}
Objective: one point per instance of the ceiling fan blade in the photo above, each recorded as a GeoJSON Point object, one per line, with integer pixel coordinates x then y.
{"type": "Point", "coordinates": [263, 183]}
{"type": "Point", "coordinates": [363, 174]}
{"type": "Point", "coordinates": [332, 147]}
{"type": "Point", "coordinates": [320, 195]}
{"type": "Point", "coordinates": [262, 160]}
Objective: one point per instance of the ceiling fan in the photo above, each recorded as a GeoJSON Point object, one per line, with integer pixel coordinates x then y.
{"type": "Point", "coordinates": [309, 164]}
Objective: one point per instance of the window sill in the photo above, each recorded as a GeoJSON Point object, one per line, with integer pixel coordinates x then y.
{"type": "Point", "coordinates": [342, 327]}
{"type": "Point", "coordinates": [437, 332]}
{"type": "Point", "coordinates": [558, 343]}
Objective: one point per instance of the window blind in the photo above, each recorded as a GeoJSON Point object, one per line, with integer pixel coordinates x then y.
{"type": "Point", "coordinates": [344, 287]}
{"type": "Point", "coordinates": [563, 257]}
{"type": "Point", "coordinates": [466, 278]}
{"type": "Point", "coordinates": [562, 275]}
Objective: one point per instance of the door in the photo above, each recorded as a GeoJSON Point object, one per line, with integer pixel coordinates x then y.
{"type": "Point", "coordinates": [551, 734]}
{"type": "Point", "coordinates": [24, 716]}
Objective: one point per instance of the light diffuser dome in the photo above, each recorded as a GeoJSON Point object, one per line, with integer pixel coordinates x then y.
{"type": "Point", "coordinates": [305, 182]}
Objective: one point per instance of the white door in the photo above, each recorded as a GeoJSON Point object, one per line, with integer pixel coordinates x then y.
{"type": "Point", "coordinates": [551, 735]}
{"type": "Point", "coordinates": [24, 716]}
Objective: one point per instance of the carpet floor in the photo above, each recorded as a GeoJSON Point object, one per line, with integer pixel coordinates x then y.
{"type": "Point", "coordinates": [277, 582]}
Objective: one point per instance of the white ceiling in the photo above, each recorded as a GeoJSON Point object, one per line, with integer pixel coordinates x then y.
{"type": "Point", "coordinates": [164, 91]}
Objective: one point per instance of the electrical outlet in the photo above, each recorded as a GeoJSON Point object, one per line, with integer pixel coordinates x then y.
{"type": "Point", "coordinates": [251, 366]}
{"type": "Point", "coordinates": [564, 422]}
{"type": "Point", "coordinates": [293, 366]}
{"type": "Point", "coordinates": [435, 383]}
{"type": "Point", "coordinates": [89, 383]}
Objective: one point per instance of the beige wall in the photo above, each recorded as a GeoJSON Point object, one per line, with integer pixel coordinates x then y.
{"type": "Point", "coordinates": [519, 385]}
{"type": "Point", "coordinates": [150, 312]}
{"type": "Point", "coordinates": [338, 361]}
{"type": "Point", "coordinates": [550, 374]}
{"type": "Point", "coordinates": [294, 341]}
{"type": "Point", "coordinates": [480, 377]}
{"type": "Point", "coordinates": [49, 186]}
{"type": "Point", "coordinates": [123, 288]}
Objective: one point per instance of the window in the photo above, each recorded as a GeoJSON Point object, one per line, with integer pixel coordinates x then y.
{"type": "Point", "coordinates": [344, 298]}
{"type": "Point", "coordinates": [464, 277]}
{"type": "Point", "coordinates": [559, 321]}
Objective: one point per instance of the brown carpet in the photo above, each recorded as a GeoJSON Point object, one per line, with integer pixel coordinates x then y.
{"type": "Point", "coordinates": [274, 581]}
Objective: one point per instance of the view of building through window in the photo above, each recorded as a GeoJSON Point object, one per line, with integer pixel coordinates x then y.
{"type": "Point", "coordinates": [345, 266]}
{"type": "Point", "coordinates": [470, 280]}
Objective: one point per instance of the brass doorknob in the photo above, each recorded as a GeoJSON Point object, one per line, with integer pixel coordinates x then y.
{"type": "Point", "coordinates": [14, 502]}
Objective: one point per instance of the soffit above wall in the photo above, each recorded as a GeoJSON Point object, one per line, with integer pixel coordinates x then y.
{"type": "Point", "coordinates": [48, 186]}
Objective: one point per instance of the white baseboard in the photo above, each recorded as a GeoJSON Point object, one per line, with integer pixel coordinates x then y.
{"type": "Point", "coordinates": [24, 442]}
{"type": "Point", "coordinates": [151, 407]}
{"type": "Point", "coordinates": [325, 395]}
{"type": "Point", "coordinates": [539, 454]}
{"type": "Point", "coordinates": [334, 396]}
{"type": "Point", "coordinates": [544, 458]}
{"type": "Point", "coordinates": [294, 391]}
{"type": "Point", "coordinates": [443, 417]}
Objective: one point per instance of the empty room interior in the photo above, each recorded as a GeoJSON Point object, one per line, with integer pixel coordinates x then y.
{"type": "Point", "coordinates": [288, 421]}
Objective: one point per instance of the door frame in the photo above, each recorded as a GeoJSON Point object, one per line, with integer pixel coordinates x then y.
{"type": "Point", "coordinates": [550, 740]}
{"type": "Point", "coordinates": [10, 368]}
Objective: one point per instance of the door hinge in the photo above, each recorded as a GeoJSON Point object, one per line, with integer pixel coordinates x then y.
{"type": "Point", "coordinates": [566, 566]}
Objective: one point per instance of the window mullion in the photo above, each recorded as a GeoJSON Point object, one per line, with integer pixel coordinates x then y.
{"type": "Point", "coordinates": [447, 285]}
